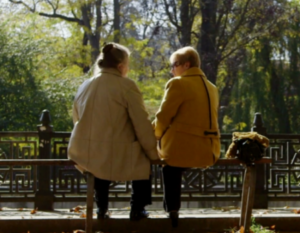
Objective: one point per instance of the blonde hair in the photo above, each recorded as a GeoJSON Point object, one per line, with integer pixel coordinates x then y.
{"type": "Point", "coordinates": [186, 54]}
{"type": "Point", "coordinates": [111, 56]}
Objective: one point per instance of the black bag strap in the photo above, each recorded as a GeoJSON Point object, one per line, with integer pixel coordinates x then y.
{"type": "Point", "coordinates": [209, 105]}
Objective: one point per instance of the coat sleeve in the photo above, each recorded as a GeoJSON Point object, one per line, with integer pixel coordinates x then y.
{"type": "Point", "coordinates": [170, 104]}
{"type": "Point", "coordinates": [141, 123]}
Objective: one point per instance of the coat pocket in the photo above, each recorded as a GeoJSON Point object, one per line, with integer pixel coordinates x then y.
{"type": "Point", "coordinates": [197, 131]}
{"type": "Point", "coordinates": [192, 150]}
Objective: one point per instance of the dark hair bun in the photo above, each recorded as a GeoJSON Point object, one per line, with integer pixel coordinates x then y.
{"type": "Point", "coordinates": [112, 54]}
{"type": "Point", "coordinates": [100, 62]}
{"type": "Point", "coordinates": [107, 48]}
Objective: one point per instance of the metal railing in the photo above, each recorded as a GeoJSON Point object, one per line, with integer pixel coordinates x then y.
{"type": "Point", "coordinates": [278, 181]}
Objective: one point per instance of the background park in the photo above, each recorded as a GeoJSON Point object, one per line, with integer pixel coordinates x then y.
{"type": "Point", "coordinates": [249, 49]}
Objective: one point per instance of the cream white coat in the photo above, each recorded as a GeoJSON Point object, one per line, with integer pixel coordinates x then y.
{"type": "Point", "coordinates": [112, 136]}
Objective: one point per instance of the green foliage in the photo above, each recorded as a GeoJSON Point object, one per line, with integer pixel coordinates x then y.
{"type": "Point", "coordinates": [152, 92]}
{"type": "Point", "coordinates": [267, 81]}
{"type": "Point", "coordinates": [257, 57]}
{"type": "Point", "coordinates": [21, 100]}
{"type": "Point", "coordinates": [254, 228]}
{"type": "Point", "coordinates": [257, 228]}
{"type": "Point", "coordinates": [21, 95]}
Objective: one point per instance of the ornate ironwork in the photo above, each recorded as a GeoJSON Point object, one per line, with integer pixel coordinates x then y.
{"type": "Point", "coordinates": [284, 172]}
{"type": "Point", "coordinates": [218, 181]}
{"type": "Point", "coordinates": [18, 180]}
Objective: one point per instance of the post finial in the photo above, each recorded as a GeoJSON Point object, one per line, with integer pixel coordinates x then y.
{"type": "Point", "coordinates": [45, 118]}
{"type": "Point", "coordinates": [258, 124]}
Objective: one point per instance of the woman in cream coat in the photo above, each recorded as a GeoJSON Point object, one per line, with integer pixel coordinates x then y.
{"type": "Point", "coordinates": [112, 136]}
{"type": "Point", "coordinates": [186, 125]}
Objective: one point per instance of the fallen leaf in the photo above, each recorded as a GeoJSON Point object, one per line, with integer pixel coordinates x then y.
{"type": "Point", "coordinates": [272, 227]}
{"type": "Point", "coordinates": [242, 229]}
{"type": "Point", "coordinates": [20, 209]}
{"type": "Point", "coordinates": [33, 211]}
{"type": "Point", "coordinates": [83, 215]}
{"type": "Point", "coordinates": [261, 213]}
{"type": "Point", "coordinates": [77, 209]}
{"type": "Point", "coordinates": [296, 211]}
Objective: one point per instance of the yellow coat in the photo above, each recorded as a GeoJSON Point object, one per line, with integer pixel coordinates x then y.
{"type": "Point", "coordinates": [186, 124]}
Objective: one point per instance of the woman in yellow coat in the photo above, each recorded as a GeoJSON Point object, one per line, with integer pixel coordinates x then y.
{"type": "Point", "coordinates": [186, 125]}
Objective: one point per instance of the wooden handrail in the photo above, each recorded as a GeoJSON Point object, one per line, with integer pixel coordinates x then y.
{"type": "Point", "coordinates": [41, 162]}
{"type": "Point", "coordinates": [66, 162]}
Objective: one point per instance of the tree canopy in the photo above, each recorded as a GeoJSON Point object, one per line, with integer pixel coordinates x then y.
{"type": "Point", "coordinates": [249, 49]}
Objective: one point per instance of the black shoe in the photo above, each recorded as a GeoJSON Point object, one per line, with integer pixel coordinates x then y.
{"type": "Point", "coordinates": [173, 215]}
{"type": "Point", "coordinates": [102, 214]}
{"type": "Point", "coordinates": [136, 215]}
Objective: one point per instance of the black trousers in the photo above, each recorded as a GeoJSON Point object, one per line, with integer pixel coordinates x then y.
{"type": "Point", "coordinates": [140, 194]}
{"type": "Point", "coordinates": [172, 177]}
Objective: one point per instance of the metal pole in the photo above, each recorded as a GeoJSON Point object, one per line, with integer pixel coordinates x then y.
{"type": "Point", "coordinates": [89, 203]}
{"type": "Point", "coordinates": [44, 197]}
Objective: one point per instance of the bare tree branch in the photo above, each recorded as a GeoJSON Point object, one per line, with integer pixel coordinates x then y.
{"type": "Point", "coordinates": [72, 9]}
{"type": "Point", "coordinates": [238, 25]}
{"type": "Point", "coordinates": [175, 12]}
{"type": "Point", "coordinates": [51, 4]}
{"type": "Point", "coordinates": [174, 20]}
{"type": "Point", "coordinates": [99, 14]}
{"type": "Point", "coordinates": [53, 15]}
{"type": "Point", "coordinates": [85, 17]}
{"type": "Point", "coordinates": [24, 4]}
{"type": "Point", "coordinates": [194, 13]}
{"type": "Point", "coordinates": [222, 34]}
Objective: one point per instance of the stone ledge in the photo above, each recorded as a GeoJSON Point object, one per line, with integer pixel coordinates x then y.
{"type": "Point", "coordinates": [191, 220]}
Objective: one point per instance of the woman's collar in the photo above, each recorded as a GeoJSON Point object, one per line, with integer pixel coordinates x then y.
{"type": "Point", "coordinates": [193, 71]}
{"type": "Point", "coordinates": [111, 71]}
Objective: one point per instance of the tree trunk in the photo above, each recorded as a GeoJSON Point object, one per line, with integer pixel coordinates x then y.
{"type": "Point", "coordinates": [187, 14]}
{"type": "Point", "coordinates": [207, 43]}
{"type": "Point", "coordinates": [85, 68]}
{"type": "Point", "coordinates": [186, 23]}
{"type": "Point", "coordinates": [116, 21]}
{"type": "Point", "coordinates": [93, 34]}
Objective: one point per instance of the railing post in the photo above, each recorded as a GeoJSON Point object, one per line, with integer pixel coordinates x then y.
{"type": "Point", "coordinates": [44, 197]}
{"type": "Point", "coordinates": [261, 190]}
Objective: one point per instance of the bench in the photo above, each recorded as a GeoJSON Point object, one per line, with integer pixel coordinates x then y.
{"type": "Point", "coordinates": [248, 189]}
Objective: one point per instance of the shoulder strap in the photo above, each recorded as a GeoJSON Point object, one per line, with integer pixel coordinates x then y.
{"type": "Point", "coordinates": [208, 98]}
